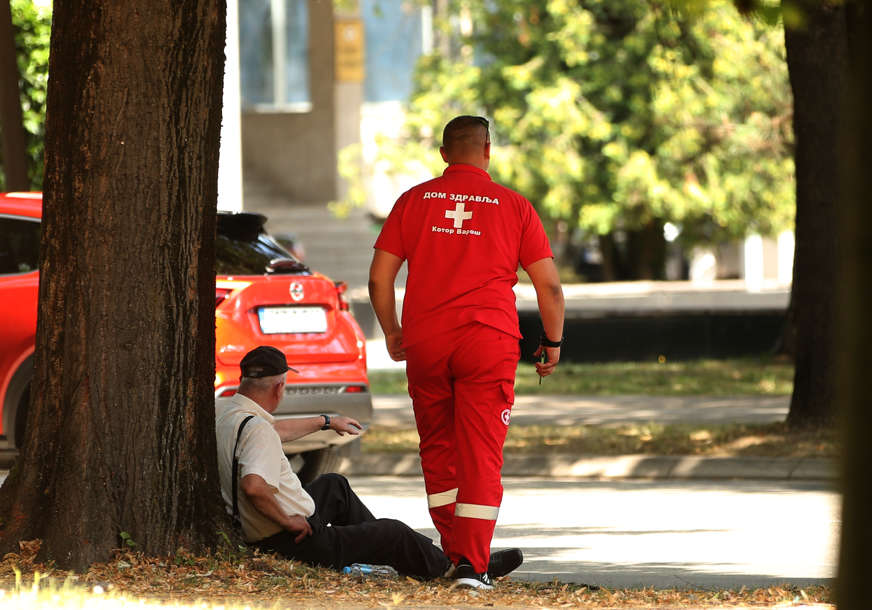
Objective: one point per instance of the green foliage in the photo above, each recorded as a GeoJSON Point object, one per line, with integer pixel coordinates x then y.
{"type": "Point", "coordinates": [32, 27]}
{"type": "Point", "coordinates": [616, 115]}
{"type": "Point", "coordinates": [775, 439]}
{"type": "Point", "coordinates": [127, 541]}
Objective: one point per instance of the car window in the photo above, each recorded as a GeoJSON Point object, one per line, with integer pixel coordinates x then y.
{"type": "Point", "coordinates": [19, 245]}
{"type": "Point", "coordinates": [237, 256]}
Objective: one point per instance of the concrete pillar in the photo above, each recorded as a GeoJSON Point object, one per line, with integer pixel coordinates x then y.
{"type": "Point", "coordinates": [753, 263]}
{"type": "Point", "coordinates": [786, 248]}
{"type": "Point", "coordinates": [349, 48]}
{"type": "Point", "coordinates": [230, 155]}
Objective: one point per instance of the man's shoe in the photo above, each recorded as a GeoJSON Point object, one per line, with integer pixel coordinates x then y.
{"type": "Point", "coordinates": [503, 562]}
{"type": "Point", "coordinates": [466, 576]}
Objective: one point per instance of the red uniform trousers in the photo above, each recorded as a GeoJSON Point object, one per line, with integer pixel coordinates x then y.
{"type": "Point", "coordinates": [462, 389]}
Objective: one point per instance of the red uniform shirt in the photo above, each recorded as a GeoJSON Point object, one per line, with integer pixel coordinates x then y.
{"type": "Point", "coordinates": [463, 236]}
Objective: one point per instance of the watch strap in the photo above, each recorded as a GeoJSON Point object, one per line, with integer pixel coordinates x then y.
{"type": "Point", "coordinates": [546, 342]}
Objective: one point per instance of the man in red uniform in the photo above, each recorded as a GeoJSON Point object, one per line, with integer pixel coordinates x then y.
{"type": "Point", "coordinates": [464, 237]}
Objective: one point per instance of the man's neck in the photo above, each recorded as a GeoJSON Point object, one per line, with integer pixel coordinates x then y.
{"type": "Point", "coordinates": [256, 398]}
{"type": "Point", "coordinates": [479, 164]}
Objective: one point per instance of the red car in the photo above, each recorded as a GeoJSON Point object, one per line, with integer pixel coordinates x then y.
{"type": "Point", "coordinates": [263, 296]}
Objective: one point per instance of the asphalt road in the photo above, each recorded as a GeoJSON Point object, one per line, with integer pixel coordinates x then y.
{"type": "Point", "coordinates": [707, 535]}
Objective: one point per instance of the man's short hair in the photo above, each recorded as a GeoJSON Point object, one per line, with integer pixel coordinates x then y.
{"type": "Point", "coordinates": [261, 384]}
{"type": "Point", "coordinates": [463, 128]}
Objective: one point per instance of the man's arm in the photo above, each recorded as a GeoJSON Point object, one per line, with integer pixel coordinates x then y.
{"type": "Point", "coordinates": [549, 294]}
{"type": "Point", "coordinates": [382, 274]}
{"type": "Point", "coordinates": [262, 496]}
{"type": "Point", "coordinates": [296, 427]}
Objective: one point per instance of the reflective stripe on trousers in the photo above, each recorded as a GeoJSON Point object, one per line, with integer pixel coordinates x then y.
{"type": "Point", "coordinates": [442, 498]}
{"type": "Point", "coordinates": [477, 511]}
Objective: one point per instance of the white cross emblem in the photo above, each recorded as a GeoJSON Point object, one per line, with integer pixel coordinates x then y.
{"type": "Point", "coordinates": [459, 214]}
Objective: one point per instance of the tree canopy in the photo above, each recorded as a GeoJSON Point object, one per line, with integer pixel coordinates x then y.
{"type": "Point", "coordinates": [613, 115]}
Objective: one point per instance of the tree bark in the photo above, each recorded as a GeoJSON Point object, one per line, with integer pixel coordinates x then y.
{"type": "Point", "coordinates": [855, 325]}
{"type": "Point", "coordinates": [817, 63]}
{"type": "Point", "coordinates": [646, 251]}
{"type": "Point", "coordinates": [11, 128]}
{"type": "Point", "coordinates": [121, 434]}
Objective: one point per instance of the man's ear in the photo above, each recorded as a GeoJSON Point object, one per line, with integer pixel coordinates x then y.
{"type": "Point", "coordinates": [444, 154]}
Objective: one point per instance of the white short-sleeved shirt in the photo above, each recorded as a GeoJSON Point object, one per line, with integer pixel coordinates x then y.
{"type": "Point", "coordinates": [260, 452]}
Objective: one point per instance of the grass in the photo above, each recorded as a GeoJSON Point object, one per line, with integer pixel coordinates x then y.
{"type": "Point", "coordinates": [711, 440]}
{"type": "Point", "coordinates": [761, 376]}
{"type": "Point", "coordinates": [130, 580]}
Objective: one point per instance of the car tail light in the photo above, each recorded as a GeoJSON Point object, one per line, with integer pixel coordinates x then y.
{"type": "Point", "coordinates": [221, 294]}
{"type": "Point", "coordinates": [355, 389]}
{"type": "Point", "coordinates": [341, 287]}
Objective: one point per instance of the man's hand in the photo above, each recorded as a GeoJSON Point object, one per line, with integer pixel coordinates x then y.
{"type": "Point", "coordinates": [262, 495]}
{"type": "Point", "coordinates": [552, 357]}
{"type": "Point", "coordinates": [299, 525]}
{"type": "Point", "coordinates": [549, 295]}
{"type": "Point", "coordinates": [341, 425]}
{"type": "Point", "coordinates": [394, 343]}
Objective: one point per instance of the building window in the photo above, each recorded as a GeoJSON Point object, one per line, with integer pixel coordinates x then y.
{"type": "Point", "coordinates": [396, 35]}
{"type": "Point", "coordinates": [274, 55]}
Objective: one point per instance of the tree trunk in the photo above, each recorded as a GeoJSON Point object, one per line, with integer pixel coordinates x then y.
{"type": "Point", "coordinates": [611, 258]}
{"type": "Point", "coordinates": [121, 435]}
{"type": "Point", "coordinates": [817, 62]}
{"type": "Point", "coordinates": [646, 251]}
{"type": "Point", "coordinates": [11, 128]}
{"type": "Point", "coordinates": [855, 325]}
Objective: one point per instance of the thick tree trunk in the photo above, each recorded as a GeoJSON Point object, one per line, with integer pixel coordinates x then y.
{"type": "Point", "coordinates": [121, 434]}
{"type": "Point", "coordinates": [640, 256]}
{"type": "Point", "coordinates": [817, 62]}
{"type": "Point", "coordinates": [11, 128]}
{"type": "Point", "coordinates": [646, 251]}
{"type": "Point", "coordinates": [855, 319]}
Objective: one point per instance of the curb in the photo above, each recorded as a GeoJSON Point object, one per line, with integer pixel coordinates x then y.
{"type": "Point", "coordinates": [620, 467]}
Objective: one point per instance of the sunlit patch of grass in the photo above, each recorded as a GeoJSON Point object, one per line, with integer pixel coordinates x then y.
{"type": "Point", "coordinates": [715, 440]}
{"type": "Point", "coordinates": [766, 376]}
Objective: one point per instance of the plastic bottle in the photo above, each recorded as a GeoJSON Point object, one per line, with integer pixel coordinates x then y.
{"type": "Point", "coordinates": [365, 570]}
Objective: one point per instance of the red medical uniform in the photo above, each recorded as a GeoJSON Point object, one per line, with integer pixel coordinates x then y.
{"type": "Point", "coordinates": [463, 237]}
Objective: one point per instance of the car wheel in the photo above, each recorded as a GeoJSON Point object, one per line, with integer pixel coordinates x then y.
{"type": "Point", "coordinates": [330, 459]}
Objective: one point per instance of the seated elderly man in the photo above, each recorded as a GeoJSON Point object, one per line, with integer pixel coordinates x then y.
{"type": "Point", "coordinates": [324, 523]}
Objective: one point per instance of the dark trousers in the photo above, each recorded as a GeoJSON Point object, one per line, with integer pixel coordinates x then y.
{"type": "Point", "coordinates": [345, 532]}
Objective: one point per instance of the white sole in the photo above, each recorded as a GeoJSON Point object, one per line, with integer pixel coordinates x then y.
{"type": "Point", "coordinates": [472, 582]}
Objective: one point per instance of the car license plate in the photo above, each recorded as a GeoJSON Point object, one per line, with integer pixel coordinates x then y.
{"type": "Point", "coordinates": [277, 320]}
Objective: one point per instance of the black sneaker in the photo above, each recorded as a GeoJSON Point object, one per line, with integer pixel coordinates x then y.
{"type": "Point", "coordinates": [466, 576]}
{"type": "Point", "coordinates": [503, 562]}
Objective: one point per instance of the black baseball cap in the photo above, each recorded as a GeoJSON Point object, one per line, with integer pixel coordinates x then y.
{"type": "Point", "coordinates": [264, 361]}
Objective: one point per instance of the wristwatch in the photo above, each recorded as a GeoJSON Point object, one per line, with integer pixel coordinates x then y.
{"type": "Point", "coordinates": [326, 425]}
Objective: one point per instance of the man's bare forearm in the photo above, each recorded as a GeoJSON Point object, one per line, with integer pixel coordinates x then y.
{"type": "Point", "coordinates": [549, 296]}
{"type": "Point", "coordinates": [262, 497]}
{"type": "Point", "coordinates": [384, 304]}
{"type": "Point", "coordinates": [382, 274]}
{"type": "Point", "coordinates": [552, 311]}
{"type": "Point", "coordinates": [297, 427]}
